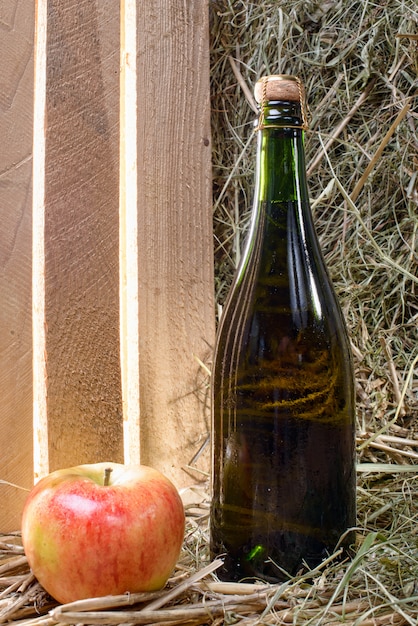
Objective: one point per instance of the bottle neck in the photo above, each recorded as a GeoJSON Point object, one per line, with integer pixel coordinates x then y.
{"type": "Point", "coordinates": [281, 170]}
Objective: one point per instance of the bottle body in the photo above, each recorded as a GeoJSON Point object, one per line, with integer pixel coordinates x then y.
{"type": "Point", "coordinates": [283, 471]}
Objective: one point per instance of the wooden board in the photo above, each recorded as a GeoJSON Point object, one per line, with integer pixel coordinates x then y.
{"type": "Point", "coordinates": [16, 87]}
{"type": "Point", "coordinates": [115, 233]}
{"type": "Point", "coordinates": [174, 234]}
{"type": "Point", "coordinates": [78, 408]}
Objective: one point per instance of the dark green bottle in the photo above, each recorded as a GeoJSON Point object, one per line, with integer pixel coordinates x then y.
{"type": "Point", "coordinates": [283, 431]}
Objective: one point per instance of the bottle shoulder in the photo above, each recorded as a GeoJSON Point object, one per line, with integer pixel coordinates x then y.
{"type": "Point", "coordinates": [283, 267]}
{"type": "Point", "coordinates": [282, 299]}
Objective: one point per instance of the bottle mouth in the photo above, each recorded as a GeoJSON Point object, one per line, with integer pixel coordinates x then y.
{"type": "Point", "coordinates": [283, 114]}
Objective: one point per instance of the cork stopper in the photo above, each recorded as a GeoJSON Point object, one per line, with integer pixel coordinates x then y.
{"type": "Point", "coordinates": [278, 87]}
{"type": "Point", "coordinates": [284, 87]}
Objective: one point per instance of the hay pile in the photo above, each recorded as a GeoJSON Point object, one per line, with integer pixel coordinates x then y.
{"type": "Point", "coordinates": [359, 63]}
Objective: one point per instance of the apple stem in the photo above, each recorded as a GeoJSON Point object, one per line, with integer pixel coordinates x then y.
{"type": "Point", "coordinates": [107, 473]}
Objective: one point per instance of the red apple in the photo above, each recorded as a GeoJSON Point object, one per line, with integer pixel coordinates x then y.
{"type": "Point", "coordinates": [85, 535]}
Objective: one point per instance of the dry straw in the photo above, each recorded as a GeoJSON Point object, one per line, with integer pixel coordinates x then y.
{"type": "Point", "coordinates": [359, 63]}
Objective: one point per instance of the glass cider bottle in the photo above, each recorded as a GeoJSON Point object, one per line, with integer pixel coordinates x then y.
{"type": "Point", "coordinates": [283, 425]}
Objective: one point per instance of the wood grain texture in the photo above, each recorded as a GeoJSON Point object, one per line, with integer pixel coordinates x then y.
{"type": "Point", "coordinates": [81, 232]}
{"type": "Point", "coordinates": [175, 259]}
{"type": "Point", "coordinates": [80, 172]}
{"type": "Point", "coordinates": [16, 85]}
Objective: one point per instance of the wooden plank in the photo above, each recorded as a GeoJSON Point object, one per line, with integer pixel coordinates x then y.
{"type": "Point", "coordinates": [16, 85]}
{"type": "Point", "coordinates": [167, 309]}
{"type": "Point", "coordinates": [76, 322]}
{"type": "Point", "coordinates": [173, 242]}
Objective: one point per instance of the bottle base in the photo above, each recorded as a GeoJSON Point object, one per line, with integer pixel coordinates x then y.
{"type": "Point", "coordinates": [255, 565]}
